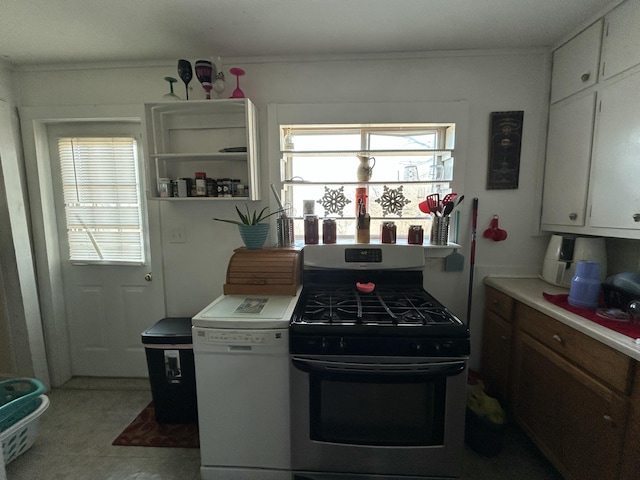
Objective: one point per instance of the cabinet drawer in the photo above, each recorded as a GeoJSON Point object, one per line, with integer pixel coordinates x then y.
{"type": "Point", "coordinates": [605, 363]}
{"type": "Point", "coordinates": [499, 302]}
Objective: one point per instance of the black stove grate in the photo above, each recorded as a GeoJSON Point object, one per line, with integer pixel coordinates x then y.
{"type": "Point", "coordinates": [383, 306]}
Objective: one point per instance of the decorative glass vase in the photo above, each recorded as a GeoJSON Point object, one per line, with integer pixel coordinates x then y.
{"type": "Point", "coordinates": [254, 236]}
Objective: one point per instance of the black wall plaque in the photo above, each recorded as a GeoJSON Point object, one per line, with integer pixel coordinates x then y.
{"type": "Point", "coordinates": [504, 155]}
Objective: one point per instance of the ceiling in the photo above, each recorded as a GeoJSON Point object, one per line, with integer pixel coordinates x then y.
{"type": "Point", "coordinates": [36, 32]}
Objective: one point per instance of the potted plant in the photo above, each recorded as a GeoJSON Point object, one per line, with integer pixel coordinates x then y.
{"type": "Point", "coordinates": [252, 230]}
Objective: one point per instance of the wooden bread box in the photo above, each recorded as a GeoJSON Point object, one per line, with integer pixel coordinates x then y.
{"type": "Point", "coordinates": [264, 271]}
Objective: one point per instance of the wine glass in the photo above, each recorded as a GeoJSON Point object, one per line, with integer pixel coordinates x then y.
{"type": "Point", "coordinates": [238, 72]}
{"type": "Point", "coordinates": [218, 82]}
{"type": "Point", "coordinates": [205, 71]}
{"type": "Point", "coordinates": [171, 96]}
{"type": "Point", "coordinates": [185, 73]}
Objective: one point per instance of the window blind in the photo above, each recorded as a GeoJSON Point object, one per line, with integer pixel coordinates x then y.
{"type": "Point", "coordinates": [102, 199]}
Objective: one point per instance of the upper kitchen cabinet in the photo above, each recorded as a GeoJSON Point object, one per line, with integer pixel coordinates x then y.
{"type": "Point", "coordinates": [575, 64]}
{"type": "Point", "coordinates": [217, 138]}
{"type": "Point", "coordinates": [621, 39]}
{"type": "Point", "coordinates": [566, 175]}
{"type": "Point", "coordinates": [615, 172]}
{"type": "Point", "coordinates": [593, 151]}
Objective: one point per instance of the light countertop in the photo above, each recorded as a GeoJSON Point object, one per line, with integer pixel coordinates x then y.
{"type": "Point", "coordinates": [529, 291]}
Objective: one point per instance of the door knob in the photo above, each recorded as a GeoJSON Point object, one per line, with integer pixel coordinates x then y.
{"type": "Point", "coordinates": [148, 277]}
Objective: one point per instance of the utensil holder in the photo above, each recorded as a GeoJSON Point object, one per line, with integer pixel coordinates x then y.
{"type": "Point", "coordinates": [284, 228]}
{"type": "Point", "coordinates": [439, 231]}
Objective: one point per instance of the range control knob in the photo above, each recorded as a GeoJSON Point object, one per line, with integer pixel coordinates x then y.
{"type": "Point", "coordinates": [342, 344]}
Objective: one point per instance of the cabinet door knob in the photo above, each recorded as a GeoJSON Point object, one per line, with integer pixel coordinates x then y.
{"type": "Point", "coordinates": [636, 217]}
{"type": "Point", "coordinates": [557, 338]}
{"type": "Point", "coordinates": [503, 338]}
{"type": "Point", "coordinates": [496, 302]}
{"type": "Point", "coordinates": [573, 216]}
{"type": "Point", "coordinates": [585, 77]}
{"type": "Point", "coordinates": [609, 420]}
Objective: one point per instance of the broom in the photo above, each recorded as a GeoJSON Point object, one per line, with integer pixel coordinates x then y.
{"type": "Point", "coordinates": [473, 258]}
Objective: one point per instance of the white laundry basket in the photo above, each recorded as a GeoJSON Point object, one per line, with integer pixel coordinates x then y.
{"type": "Point", "coordinates": [19, 437]}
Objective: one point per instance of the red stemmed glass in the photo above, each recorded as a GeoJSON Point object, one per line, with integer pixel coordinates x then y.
{"type": "Point", "coordinates": [205, 71]}
{"type": "Point", "coordinates": [238, 72]}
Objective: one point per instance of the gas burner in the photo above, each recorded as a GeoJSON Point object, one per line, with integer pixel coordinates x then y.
{"type": "Point", "coordinates": [410, 306]}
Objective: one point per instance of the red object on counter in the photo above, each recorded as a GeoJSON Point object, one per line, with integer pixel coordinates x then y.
{"type": "Point", "coordinates": [625, 328]}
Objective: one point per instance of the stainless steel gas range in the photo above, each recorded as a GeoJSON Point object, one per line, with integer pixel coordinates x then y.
{"type": "Point", "coordinates": [378, 369]}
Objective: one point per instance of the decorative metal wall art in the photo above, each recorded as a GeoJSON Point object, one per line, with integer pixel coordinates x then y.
{"type": "Point", "coordinates": [392, 201]}
{"type": "Point", "coordinates": [334, 201]}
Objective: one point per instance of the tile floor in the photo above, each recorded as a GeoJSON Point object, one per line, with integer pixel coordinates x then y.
{"type": "Point", "coordinates": [86, 415]}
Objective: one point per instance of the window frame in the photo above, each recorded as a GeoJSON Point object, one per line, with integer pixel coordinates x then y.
{"type": "Point", "coordinates": [421, 112]}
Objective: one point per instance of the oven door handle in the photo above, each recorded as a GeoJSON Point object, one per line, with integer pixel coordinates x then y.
{"type": "Point", "coordinates": [433, 368]}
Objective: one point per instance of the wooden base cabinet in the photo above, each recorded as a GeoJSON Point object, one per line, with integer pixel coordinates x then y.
{"type": "Point", "coordinates": [577, 398]}
{"type": "Point", "coordinates": [496, 344]}
{"type": "Point", "coordinates": [574, 419]}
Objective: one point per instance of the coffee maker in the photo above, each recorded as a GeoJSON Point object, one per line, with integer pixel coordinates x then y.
{"type": "Point", "coordinates": [563, 254]}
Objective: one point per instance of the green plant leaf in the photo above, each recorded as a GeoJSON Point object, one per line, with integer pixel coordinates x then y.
{"type": "Point", "coordinates": [250, 218]}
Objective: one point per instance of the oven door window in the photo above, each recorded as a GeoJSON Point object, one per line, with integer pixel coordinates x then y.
{"type": "Point", "coordinates": [377, 409]}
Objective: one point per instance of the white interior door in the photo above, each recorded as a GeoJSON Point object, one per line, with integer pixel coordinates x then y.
{"type": "Point", "coordinates": [108, 304]}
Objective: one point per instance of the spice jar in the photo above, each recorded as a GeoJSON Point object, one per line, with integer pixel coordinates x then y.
{"type": "Point", "coordinates": [235, 182]}
{"type": "Point", "coordinates": [212, 188]}
{"type": "Point", "coordinates": [388, 232]}
{"type": "Point", "coordinates": [201, 184]}
{"type": "Point", "coordinates": [329, 230]}
{"type": "Point", "coordinates": [415, 235]}
{"type": "Point", "coordinates": [164, 187]}
{"type": "Point", "coordinates": [311, 229]}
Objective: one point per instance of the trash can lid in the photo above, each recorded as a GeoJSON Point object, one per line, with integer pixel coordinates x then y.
{"type": "Point", "coordinates": [173, 330]}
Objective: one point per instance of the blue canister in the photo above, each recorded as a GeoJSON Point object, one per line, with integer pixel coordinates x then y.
{"type": "Point", "coordinates": [585, 285]}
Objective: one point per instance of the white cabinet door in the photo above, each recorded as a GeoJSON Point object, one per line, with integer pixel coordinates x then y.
{"type": "Point", "coordinates": [566, 175]}
{"type": "Point", "coordinates": [615, 178]}
{"type": "Point", "coordinates": [621, 41]}
{"type": "Point", "coordinates": [575, 64]}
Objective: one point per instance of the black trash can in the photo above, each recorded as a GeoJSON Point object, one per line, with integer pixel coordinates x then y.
{"type": "Point", "coordinates": [169, 348]}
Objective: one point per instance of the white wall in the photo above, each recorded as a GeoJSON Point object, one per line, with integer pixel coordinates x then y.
{"type": "Point", "coordinates": [487, 81]}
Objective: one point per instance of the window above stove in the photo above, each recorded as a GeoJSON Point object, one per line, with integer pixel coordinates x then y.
{"type": "Point", "coordinates": [406, 162]}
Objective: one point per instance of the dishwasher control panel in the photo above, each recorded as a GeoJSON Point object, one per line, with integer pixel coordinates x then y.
{"type": "Point", "coordinates": [239, 337]}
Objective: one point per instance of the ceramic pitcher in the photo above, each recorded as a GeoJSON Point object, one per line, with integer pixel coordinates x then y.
{"type": "Point", "coordinates": [365, 168]}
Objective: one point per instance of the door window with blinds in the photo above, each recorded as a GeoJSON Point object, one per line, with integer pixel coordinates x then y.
{"type": "Point", "coordinates": [329, 168]}
{"type": "Point", "coordinates": [102, 199]}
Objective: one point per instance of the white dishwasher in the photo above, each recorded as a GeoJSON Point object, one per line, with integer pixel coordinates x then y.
{"type": "Point", "coordinates": [241, 351]}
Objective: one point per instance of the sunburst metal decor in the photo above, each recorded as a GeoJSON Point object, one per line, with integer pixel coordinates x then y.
{"type": "Point", "coordinates": [392, 201]}
{"type": "Point", "coordinates": [334, 201]}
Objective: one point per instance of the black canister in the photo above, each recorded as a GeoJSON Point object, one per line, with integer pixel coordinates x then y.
{"type": "Point", "coordinates": [329, 230]}
{"type": "Point", "coordinates": [311, 229]}
{"type": "Point", "coordinates": [388, 232]}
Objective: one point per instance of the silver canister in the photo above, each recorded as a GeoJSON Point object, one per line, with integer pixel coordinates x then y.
{"type": "Point", "coordinates": [284, 228]}
{"type": "Point", "coordinates": [439, 231]}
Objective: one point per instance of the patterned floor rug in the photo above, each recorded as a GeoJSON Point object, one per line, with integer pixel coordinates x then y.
{"type": "Point", "coordinates": [145, 431]}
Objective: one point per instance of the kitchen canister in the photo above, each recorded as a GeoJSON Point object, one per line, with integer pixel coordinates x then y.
{"type": "Point", "coordinates": [284, 227]}
{"type": "Point", "coordinates": [311, 235]}
{"type": "Point", "coordinates": [585, 285]}
{"type": "Point", "coordinates": [329, 231]}
{"type": "Point", "coordinates": [439, 231]}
